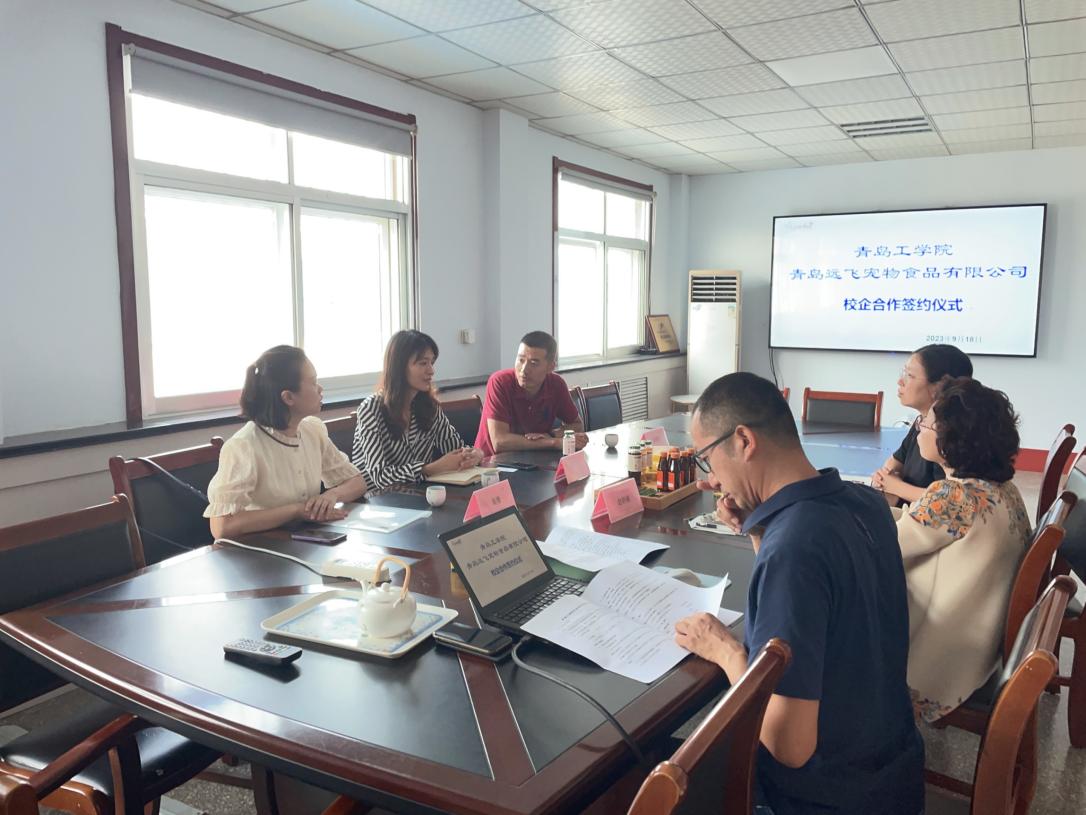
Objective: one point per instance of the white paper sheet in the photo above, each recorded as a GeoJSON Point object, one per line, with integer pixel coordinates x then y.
{"type": "Point", "coordinates": [371, 518]}
{"type": "Point", "coordinates": [593, 551]}
{"type": "Point", "coordinates": [729, 617]}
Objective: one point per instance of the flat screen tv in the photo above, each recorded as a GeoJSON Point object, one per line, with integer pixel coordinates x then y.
{"type": "Point", "coordinates": [894, 281]}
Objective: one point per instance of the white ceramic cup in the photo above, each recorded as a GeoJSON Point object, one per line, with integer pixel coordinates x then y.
{"type": "Point", "coordinates": [611, 439]}
{"type": "Point", "coordinates": [435, 495]}
{"type": "Point", "coordinates": [490, 477]}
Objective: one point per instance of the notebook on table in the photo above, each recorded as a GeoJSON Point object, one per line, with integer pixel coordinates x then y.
{"type": "Point", "coordinates": [460, 478]}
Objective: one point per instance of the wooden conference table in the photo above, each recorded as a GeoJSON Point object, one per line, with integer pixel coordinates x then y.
{"type": "Point", "coordinates": [433, 731]}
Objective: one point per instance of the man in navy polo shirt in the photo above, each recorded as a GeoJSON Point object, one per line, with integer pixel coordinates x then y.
{"type": "Point", "coordinates": [838, 734]}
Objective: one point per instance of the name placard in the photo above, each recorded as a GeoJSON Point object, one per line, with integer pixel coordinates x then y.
{"type": "Point", "coordinates": [573, 467]}
{"type": "Point", "coordinates": [657, 435]}
{"type": "Point", "coordinates": [618, 501]}
{"type": "Point", "coordinates": [488, 500]}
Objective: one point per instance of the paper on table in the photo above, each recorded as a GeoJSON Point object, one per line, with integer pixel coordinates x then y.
{"type": "Point", "coordinates": [370, 518]}
{"type": "Point", "coordinates": [625, 620]}
{"type": "Point", "coordinates": [592, 551]}
{"type": "Point", "coordinates": [856, 479]}
{"type": "Point", "coordinates": [729, 617]}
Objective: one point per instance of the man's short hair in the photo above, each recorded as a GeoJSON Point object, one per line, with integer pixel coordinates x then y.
{"type": "Point", "coordinates": [543, 341]}
{"type": "Point", "coordinates": [747, 399]}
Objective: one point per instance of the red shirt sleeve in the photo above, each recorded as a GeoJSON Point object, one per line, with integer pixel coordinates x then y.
{"type": "Point", "coordinates": [497, 405]}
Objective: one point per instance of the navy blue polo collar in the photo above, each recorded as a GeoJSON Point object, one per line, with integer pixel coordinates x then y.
{"type": "Point", "coordinates": [826, 482]}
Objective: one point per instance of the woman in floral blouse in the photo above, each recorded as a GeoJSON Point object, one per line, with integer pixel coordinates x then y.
{"type": "Point", "coordinates": [961, 543]}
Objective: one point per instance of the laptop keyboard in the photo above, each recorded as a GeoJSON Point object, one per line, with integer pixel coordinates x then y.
{"type": "Point", "coordinates": [558, 587]}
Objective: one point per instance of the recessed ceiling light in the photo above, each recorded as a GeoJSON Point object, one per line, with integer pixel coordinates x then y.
{"type": "Point", "coordinates": [834, 67]}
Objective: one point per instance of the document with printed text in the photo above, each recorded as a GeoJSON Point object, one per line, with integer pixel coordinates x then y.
{"type": "Point", "coordinates": [592, 551]}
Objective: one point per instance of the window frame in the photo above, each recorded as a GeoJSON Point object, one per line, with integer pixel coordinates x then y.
{"type": "Point", "coordinates": [131, 175]}
{"type": "Point", "coordinates": [614, 184]}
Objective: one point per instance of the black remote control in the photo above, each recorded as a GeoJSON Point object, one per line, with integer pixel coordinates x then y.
{"type": "Point", "coordinates": [266, 653]}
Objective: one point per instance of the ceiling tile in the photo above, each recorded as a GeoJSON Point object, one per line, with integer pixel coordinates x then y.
{"type": "Point", "coordinates": [1000, 132]}
{"type": "Point", "coordinates": [1053, 39]}
{"type": "Point", "coordinates": [583, 123]}
{"type": "Point", "coordinates": [492, 83]}
{"type": "Point", "coordinates": [873, 111]}
{"type": "Point", "coordinates": [835, 67]}
{"type": "Point", "coordinates": [724, 81]}
{"type": "Point", "coordinates": [730, 13]}
{"type": "Point", "coordinates": [1051, 92]}
{"type": "Point", "coordinates": [1059, 128]}
{"type": "Point", "coordinates": [821, 148]}
{"type": "Point", "coordinates": [657, 115]}
{"type": "Point", "coordinates": [780, 121]}
{"type": "Point", "coordinates": [959, 49]}
{"type": "Point", "coordinates": [1057, 69]}
{"type": "Point", "coordinates": [744, 141]}
{"type": "Point", "coordinates": [422, 57]}
{"type": "Point", "coordinates": [850, 92]}
{"type": "Point", "coordinates": [338, 24]}
{"type": "Point", "coordinates": [969, 78]}
{"type": "Point", "coordinates": [525, 39]}
{"type": "Point", "coordinates": [651, 151]}
{"type": "Point", "coordinates": [627, 94]}
{"type": "Point", "coordinates": [892, 153]}
{"type": "Point", "coordinates": [243, 6]}
{"type": "Point", "coordinates": [976, 100]}
{"type": "Point", "coordinates": [623, 138]}
{"type": "Point", "coordinates": [964, 148]}
{"type": "Point", "coordinates": [1058, 112]}
{"type": "Point", "coordinates": [580, 71]}
{"type": "Point", "coordinates": [614, 23]}
{"type": "Point", "coordinates": [701, 52]}
{"type": "Point", "coordinates": [744, 104]}
{"type": "Point", "coordinates": [782, 163]}
{"type": "Point", "coordinates": [551, 104]}
{"type": "Point", "coordinates": [836, 158]}
{"type": "Point", "coordinates": [981, 118]}
{"type": "Point", "coordinates": [444, 15]}
{"type": "Point", "coordinates": [1070, 140]}
{"type": "Point", "coordinates": [840, 30]}
{"type": "Point", "coordinates": [871, 143]}
{"type": "Point", "coordinates": [916, 19]}
{"type": "Point", "coordinates": [1038, 11]}
{"type": "Point", "coordinates": [748, 154]}
{"type": "Point", "coordinates": [695, 165]}
{"type": "Point", "coordinates": [803, 135]}
{"type": "Point", "coordinates": [698, 130]}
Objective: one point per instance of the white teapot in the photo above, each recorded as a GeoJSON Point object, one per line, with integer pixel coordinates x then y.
{"type": "Point", "coordinates": [385, 611]}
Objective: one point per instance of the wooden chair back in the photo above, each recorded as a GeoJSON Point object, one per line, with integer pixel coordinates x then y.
{"type": "Point", "coordinates": [17, 797]}
{"type": "Point", "coordinates": [1029, 667]}
{"type": "Point", "coordinates": [170, 517]}
{"type": "Point", "coordinates": [341, 431]}
{"type": "Point", "coordinates": [1058, 454]}
{"type": "Point", "coordinates": [1073, 548]}
{"type": "Point", "coordinates": [465, 415]}
{"type": "Point", "coordinates": [602, 406]}
{"type": "Point", "coordinates": [730, 735]}
{"type": "Point", "coordinates": [43, 559]}
{"type": "Point", "coordinates": [840, 407]}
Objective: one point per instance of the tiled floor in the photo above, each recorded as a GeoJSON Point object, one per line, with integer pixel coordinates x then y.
{"type": "Point", "coordinates": [1061, 789]}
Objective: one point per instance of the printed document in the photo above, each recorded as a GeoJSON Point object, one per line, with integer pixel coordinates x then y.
{"type": "Point", "coordinates": [592, 551]}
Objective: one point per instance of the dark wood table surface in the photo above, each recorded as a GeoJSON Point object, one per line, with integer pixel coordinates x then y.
{"type": "Point", "coordinates": [432, 731]}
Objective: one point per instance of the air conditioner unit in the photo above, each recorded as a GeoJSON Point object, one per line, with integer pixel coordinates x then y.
{"type": "Point", "coordinates": [712, 347]}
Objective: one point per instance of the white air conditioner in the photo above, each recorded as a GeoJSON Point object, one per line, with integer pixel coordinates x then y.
{"type": "Point", "coordinates": [712, 346]}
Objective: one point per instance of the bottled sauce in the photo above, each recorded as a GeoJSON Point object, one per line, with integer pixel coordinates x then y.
{"type": "Point", "coordinates": [661, 473]}
{"type": "Point", "coordinates": [686, 461]}
{"type": "Point", "coordinates": [569, 443]}
{"type": "Point", "coordinates": [646, 455]}
{"type": "Point", "coordinates": [676, 468]}
{"type": "Point", "coordinates": [633, 462]}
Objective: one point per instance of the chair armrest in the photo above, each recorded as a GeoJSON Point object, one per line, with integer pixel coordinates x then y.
{"type": "Point", "coordinates": [344, 806]}
{"type": "Point", "coordinates": [119, 733]}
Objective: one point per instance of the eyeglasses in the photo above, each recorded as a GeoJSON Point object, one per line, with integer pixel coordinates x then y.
{"type": "Point", "coordinates": [701, 456]}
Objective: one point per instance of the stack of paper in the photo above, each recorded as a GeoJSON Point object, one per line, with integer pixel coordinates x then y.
{"type": "Point", "coordinates": [592, 551]}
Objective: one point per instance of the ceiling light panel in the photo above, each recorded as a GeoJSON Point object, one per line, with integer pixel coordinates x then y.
{"type": "Point", "coordinates": [444, 15]}
{"type": "Point", "coordinates": [783, 163]}
{"type": "Point", "coordinates": [552, 104]}
{"type": "Point", "coordinates": [1070, 140]}
{"type": "Point", "coordinates": [965, 148]}
{"type": "Point", "coordinates": [1038, 11]}
{"type": "Point", "coordinates": [1058, 112]}
{"type": "Point", "coordinates": [657, 115]}
{"type": "Point", "coordinates": [623, 138]}
{"type": "Point", "coordinates": [1059, 128]}
{"type": "Point", "coordinates": [982, 118]}
{"type": "Point", "coordinates": [701, 52]}
{"type": "Point", "coordinates": [745, 104]}
{"type": "Point", "coordinates": [1053, 39]}
{"type": "Point", "coordinates": [338, 24]}
{"type": "Point", "coordinates": [698, 130]}
{"type": "Point", "coordinates": [969, 78]}
{"type": "Point", "coordinates": [852, 91]}
{"type": "Point", "coordinates": [837, 158]}
{"type": "Point", "coordinates": [526, 39]}
{"type": "Point", "coordinates": [916, 19]}
{"type": "Point", "coordinates": [651, 151]}
{"type": "Point", "coordinates": [840, 30]}
{"type": "Point", "coordinates": [873, 111]}
{"type": "Point", "coordinates": [743, 141]}
{"type": "Point", "coordinates": [492, 83]}
{"type": "Point", "coordinates": [976, 100]}
{"type": "Point", "coordinates": [803, 135]}
{"type": "Point", "coordinates": [780, 121]}
{"type": "Point", "coordinates": [580, 71]}
{"type": "Point", "coordinates": [959, 49]}
{"type": "Point", "coordinates": [1058, 69]}
{"type": "Point", "coordinates": [1051, 92]}
{"type": "Point", "coordinates": [627, 94]}
{"type": "Point", "coordinates": [893, 153]}
{"type": "Point", "coordinates": [1001, 132]}
{"type": "Point", "coordinates": [821, 148]}
{"type": "Point", "coordinates": [614, 23]}
{"type": "Point", "coordinates": [724, 82]}
{"type": "Point", "coordinates": [422, 57]}
{"type": "Point", "coordinates": [835, 67]}
{"type": "Point", "coordinates": [730, 13]}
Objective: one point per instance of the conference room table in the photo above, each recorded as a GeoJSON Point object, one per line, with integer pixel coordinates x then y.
{"type": "Point", "coordinates": [435, 730]}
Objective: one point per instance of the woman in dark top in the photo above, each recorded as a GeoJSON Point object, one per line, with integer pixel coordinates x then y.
{"type": "Point", "coordinates": [906, 474]}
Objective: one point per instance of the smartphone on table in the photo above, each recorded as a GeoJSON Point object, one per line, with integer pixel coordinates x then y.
{"type": "Point", "coordinates": [316, 534]}
{"type": "Point", "coordinates": [483, 642]}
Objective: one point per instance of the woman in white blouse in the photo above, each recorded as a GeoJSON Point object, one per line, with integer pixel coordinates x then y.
{"type": "Point", "coordinates": [402, 435]}
{"type": "Point", "coordinates": [270, 471]}
{"type": "Point", "coordinates": [961, 543]}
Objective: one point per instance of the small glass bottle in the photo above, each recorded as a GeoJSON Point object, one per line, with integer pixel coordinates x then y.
{"type": "Point", "coordinates": [633, 462]}
{"type": "Point", "coordinates": [684, 465]}
{"type": "Point", "coordinates": [569, 443]}
{"type": "Point", "coordinates": [663, 473]}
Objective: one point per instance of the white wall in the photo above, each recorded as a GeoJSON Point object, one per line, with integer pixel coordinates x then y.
{"type": "Point", "coordinates": [484, 205]}
{"type": "Point", "coordinates": [731, 227]}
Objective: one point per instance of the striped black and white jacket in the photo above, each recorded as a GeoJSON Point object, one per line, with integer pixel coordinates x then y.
{"type": "Point", "coordinates": [385, 459]}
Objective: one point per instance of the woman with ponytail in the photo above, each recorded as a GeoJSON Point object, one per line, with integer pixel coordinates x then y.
{"type": "Point", "coordinates": [271, 470]}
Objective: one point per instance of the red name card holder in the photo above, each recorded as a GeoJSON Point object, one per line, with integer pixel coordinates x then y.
{"type": "Point", "coordinates": [488, 500]}
{"type": "Point", "coordinates": [572, 468]}
{"type": "Point", "coordinates": [618, 501]}
{"type": "Point", "coordinates": [657, 435]}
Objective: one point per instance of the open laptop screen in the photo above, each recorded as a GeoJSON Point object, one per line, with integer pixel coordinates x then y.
{"type": "Point", "coordinates": [496, 556]}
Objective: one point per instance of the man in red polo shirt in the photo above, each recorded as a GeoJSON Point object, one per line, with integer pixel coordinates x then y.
{"type": "Point", "coordinates": [524, 403]}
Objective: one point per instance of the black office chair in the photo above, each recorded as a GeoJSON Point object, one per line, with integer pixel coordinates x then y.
{"type": "Point", "coordinates": [341, 432]}
{"type": "Point", "coordinates": [602, 406]}
{"type": "Point", "coordinates": [839, 407]}
{"type": "Point", "coordinates": [464, 415]}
